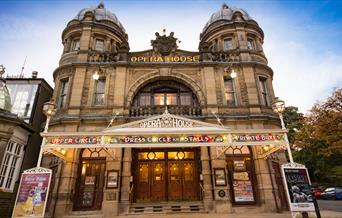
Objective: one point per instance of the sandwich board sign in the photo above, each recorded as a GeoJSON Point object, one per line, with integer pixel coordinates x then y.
{"type": "Point", "coordinates": [33, 192]}
{"type": "Point", "coordinates": [298, 187]}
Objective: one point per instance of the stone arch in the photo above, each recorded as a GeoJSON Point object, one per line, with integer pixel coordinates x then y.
{"type": "Point", "coordinates": [151, 77]}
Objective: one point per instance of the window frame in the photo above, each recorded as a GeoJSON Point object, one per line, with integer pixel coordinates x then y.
{"type": "Point", "coordinates": [231, 45]}
{"type": "Point", "coordinates": [63, 92]}
{"type": "Point", "coordinates": [75, 42]}
{"type": "Point", "coordinates": [13, 155]}
{"type": "Point", "coordinates": [264, 91]}
{"type": "Point", "coordinates": [250, 42]}
{"type": "Point", "coordinates": [96, 92]}
{"type": "Point", "coordinates": [96, 46]}
{"type": "Point", "coordinates": [225, 78]}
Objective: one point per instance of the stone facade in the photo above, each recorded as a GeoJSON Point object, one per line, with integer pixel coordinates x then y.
{"type": "Point", "coordinates": [96, 43]}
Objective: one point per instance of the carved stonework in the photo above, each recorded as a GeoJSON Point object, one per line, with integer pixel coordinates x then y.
{"type": "Point", "coordinates": [243, 90]}
{"type": "Point", "coordinates": [165, 45]}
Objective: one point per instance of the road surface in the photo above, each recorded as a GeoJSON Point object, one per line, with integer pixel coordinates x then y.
{"type": "Point", "coordinates": [335, 205]}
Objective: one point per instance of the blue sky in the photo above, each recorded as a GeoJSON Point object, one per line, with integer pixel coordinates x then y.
{"type": "Point", "coordinates": [303, 39]}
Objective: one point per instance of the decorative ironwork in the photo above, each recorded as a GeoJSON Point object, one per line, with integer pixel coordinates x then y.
{"type": "Point", "coordinates": [146, 111]}
{"type": "Point", "coordinates": [38, 170]}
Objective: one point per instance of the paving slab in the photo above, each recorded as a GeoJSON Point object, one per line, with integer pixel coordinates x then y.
{"type": "Point", "coordinates": [324, 214]}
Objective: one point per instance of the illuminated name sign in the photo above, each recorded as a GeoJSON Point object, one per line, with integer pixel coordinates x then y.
{"type": "Point", "coordinates": [74, 140]}
{"type": "Point", "coordinates": [117, 140]}
{"type": "Point", "coordinates": [164, 139]}
{"type": "Point", "coordinates": [187, 58]}
{"type": "Point", "coordinates": [257, 137]}
{"type": "Point", "coordinates": [166, 123]}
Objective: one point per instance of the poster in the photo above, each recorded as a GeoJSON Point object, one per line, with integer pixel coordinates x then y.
{"type": "Point", "coordinates": [112, 179]}
{"type": "Point", "coordinates": [298, 188]}
{"type": "Point", "coordinates": [243, 191]}
{"type": "Point", "coordinates": [32, 194]}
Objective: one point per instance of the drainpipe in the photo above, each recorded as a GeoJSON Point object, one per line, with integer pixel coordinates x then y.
{"type": "Point", "coordinates": [272, 182]}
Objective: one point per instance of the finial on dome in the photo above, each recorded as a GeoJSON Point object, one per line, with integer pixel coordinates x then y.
{"type": "Point", "coordinates": [225, 6]}
{"type": "Point", "coordinates": [101, 5]}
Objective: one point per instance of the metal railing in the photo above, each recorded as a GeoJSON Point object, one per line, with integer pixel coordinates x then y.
{"type": "Point", "coordinates": [184, 110]}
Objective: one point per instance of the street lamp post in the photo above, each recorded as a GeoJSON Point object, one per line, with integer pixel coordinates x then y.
{"type": "Point", "coordinates": [49, 109]}
{"type": "Point", "coordinates": [278, 106]}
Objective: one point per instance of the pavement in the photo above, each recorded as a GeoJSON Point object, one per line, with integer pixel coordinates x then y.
{"type": "Point", "coordinates": [335, 205]}
{"type": "Point", "coordinates": [324, 214]}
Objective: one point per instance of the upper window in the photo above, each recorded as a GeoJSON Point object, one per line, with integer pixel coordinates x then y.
{"type": "Point", "coordinates": [63, 93]}
{"type": "Point", "coordinates": [76, 45]}
{"type": "Point", "coordinates": [227, 44]}
{"type": "Point", "coordinates": [165, 93]}
{"type": "Point", "coordinates": [10, 165]}
{"type": "Point", "coordinates": [264, 91]}
{"type": "Point", "coordinates": [99, 45]}
{"type": "Point", "coordinates": [22, 97]}
{"type": "Point", "coordinates": [99, 94]}
{"type": "Point", "coordinates": [250, 44]}
{"type": "Point", "coordinates": [229, 91]}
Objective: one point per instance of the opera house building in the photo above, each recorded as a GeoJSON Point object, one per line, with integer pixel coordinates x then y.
{"type": "Point", "coordinates": [164, 130]}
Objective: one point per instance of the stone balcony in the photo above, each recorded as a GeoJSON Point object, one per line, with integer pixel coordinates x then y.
{"type": "Point", "coordinates": [181, 110]}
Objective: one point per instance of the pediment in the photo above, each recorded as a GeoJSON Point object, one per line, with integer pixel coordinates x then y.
{"type": "Point", "coordinates": [166, 123]}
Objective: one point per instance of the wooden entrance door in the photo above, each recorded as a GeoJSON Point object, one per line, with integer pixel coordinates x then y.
{"type": "Point", "coordinates": [165, 175]}
{"type": "Point", "coordinates": [182, 181]}
{"type": "Point", "coordinates": [151, 181]}
{"type": "Point", "coordinates": [89, 191]}
{"type": "Point", "coordinates": [158, 181]}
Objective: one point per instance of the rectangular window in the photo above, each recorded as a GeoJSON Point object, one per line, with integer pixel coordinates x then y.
{"type": "Point", "coordinates": [99, 94]}
{"type": "Point", "coordinates": [264, 91]}
{"type": "Point", "coordinates": [250, 44]}
{"type": "Point", "coordinates": [63, 93]}
{"type": "Point", "coordinates": [10, 165]}
{"type": "Point", "coordinates": [229, 91]}
{"type": "Point", "coordinates": [227, 44]}
{"type": "Point", "coordinates": [144, 99]}
{"type": "Point", "coordinates": [185, 99]}
{"type": "Point", "coordinates": [171, 99]}
{"type": "Point", "coordinates": [158, 99]}
{"type": "Point", "coordinates": [76, 45]}
{"type": "Point", "coordinates": [99, 45]}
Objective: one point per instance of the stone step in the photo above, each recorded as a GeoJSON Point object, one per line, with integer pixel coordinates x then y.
{"type": "Point", "coordinates": [85, 214]}
{"type": "Point", "coordinates": [163, 208]}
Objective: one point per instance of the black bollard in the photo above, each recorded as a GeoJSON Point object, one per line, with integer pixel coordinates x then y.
{"type": "Point", "coordinates": [318, 213]}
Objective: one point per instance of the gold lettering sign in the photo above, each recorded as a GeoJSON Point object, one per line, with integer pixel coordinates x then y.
{"type": "Point", "coordinates": [182, 59]}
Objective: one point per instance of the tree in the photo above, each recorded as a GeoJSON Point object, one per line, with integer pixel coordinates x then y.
{"type": "Point", "coordinates": [320, 140]}
{"type": "Point", "coordinates": [293, 121]}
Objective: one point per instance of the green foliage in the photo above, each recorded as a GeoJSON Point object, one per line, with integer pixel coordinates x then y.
{"type": "Point", "coordinates": [318, 143]}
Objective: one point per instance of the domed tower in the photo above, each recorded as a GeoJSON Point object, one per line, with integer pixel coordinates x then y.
{"type": "Point", "coordinates": [232, 38]}
{"type": "Point", "coordinates": [93, 31]}
{"type": "Point", "coordinates": [232, 31]}
{"type": "Point", "coordinates": [93, 41]}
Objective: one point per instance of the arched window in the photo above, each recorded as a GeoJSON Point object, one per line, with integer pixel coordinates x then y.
{"type": "Point", "coordinates": [165, 92]}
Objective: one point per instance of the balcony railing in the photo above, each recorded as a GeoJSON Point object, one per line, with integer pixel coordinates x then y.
{"type": "Point", "coordinates": [182, 110]}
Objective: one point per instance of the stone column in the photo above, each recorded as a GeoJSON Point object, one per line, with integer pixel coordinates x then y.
{"type": "Point", "coordinates": [210, 88]}
{"type": "Point", "coordinates": [126, 176]}
{"type": "Point", "coordinates": [206, 173]}
{"type": "Point", "coordinates": [66, 183]}
{"type": "Point", "coordinates": [265, 189]}
{"type": "Point", "coordinates": [77, 90]}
